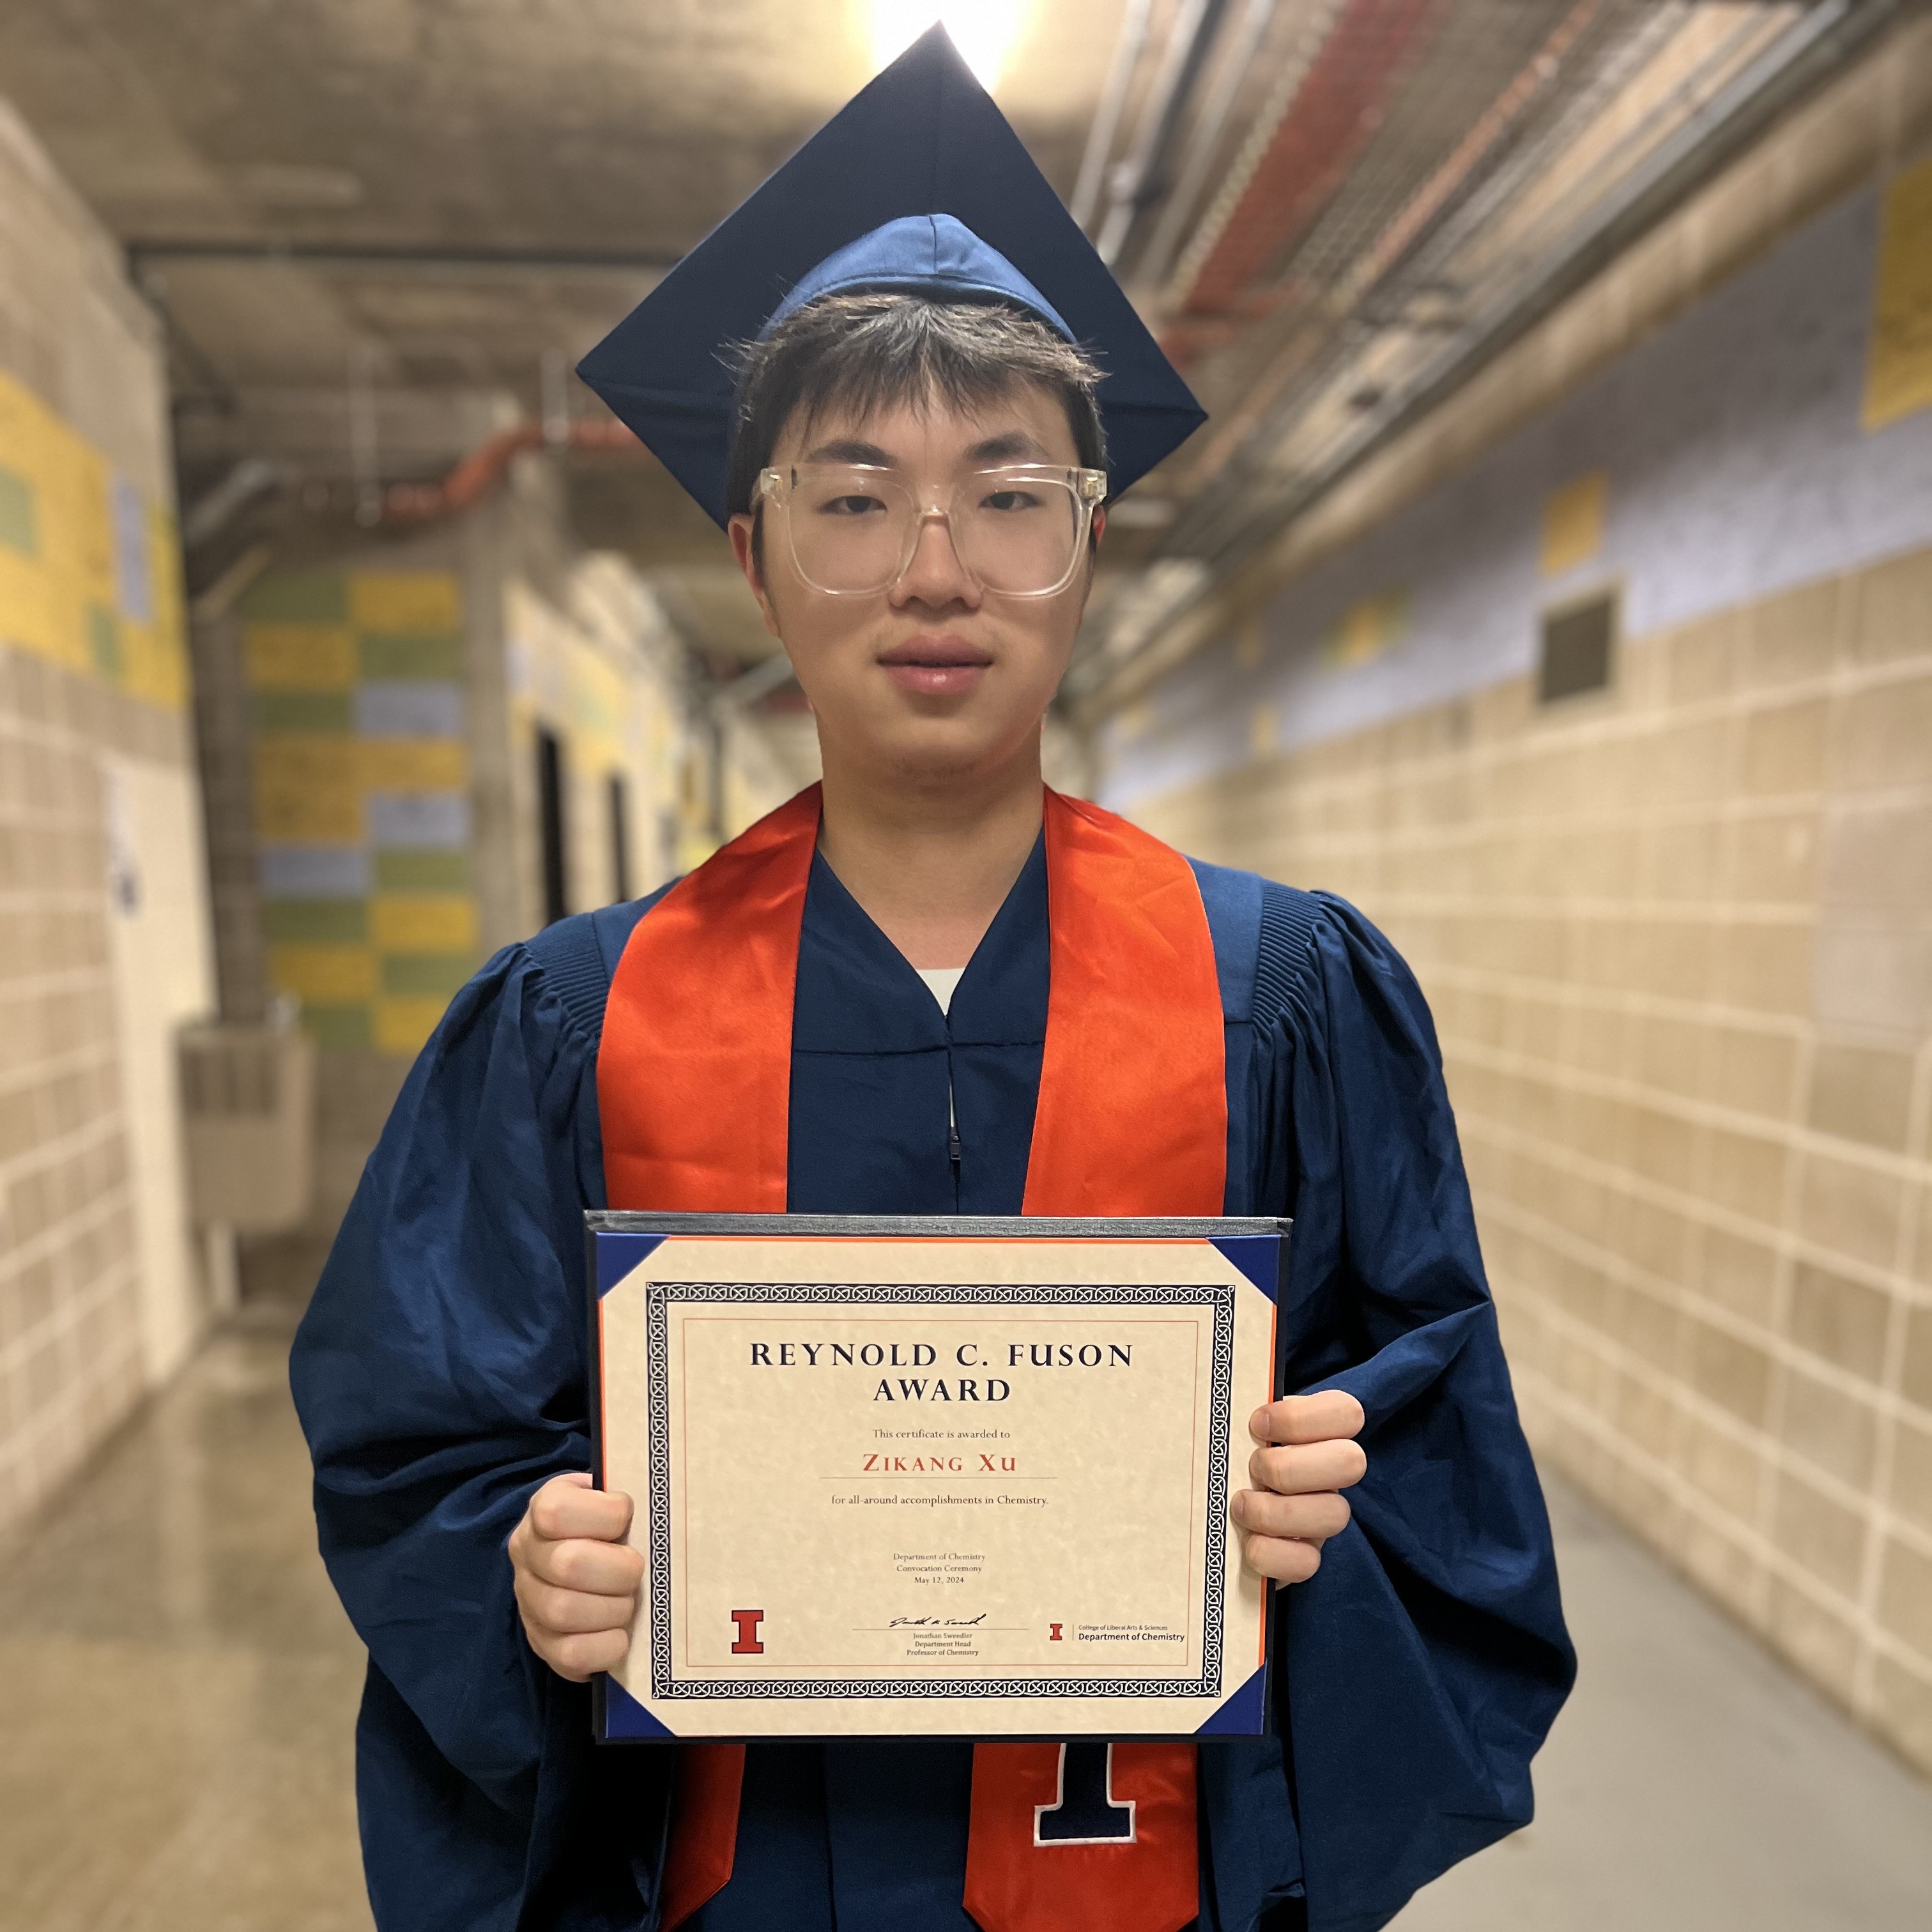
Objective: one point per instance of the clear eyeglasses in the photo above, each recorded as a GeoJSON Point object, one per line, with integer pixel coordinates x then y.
{"type": "Point", "coordinates": [1017, 530]}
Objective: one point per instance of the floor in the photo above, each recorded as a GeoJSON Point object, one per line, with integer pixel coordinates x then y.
{"type": "Point", "coordinates": [178, 1681]}
{"type": "Point", "coordinates": [178, 1687]}
{"type": "Point", "coordinates": [1692, 1784]}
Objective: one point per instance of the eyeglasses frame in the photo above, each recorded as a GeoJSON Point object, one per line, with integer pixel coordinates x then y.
{"type": "Point", "coordinates": [1089, 489]}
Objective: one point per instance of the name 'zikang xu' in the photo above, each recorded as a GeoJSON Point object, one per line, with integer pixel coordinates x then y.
{"type": "Point", "coordinates": [944, 1387]}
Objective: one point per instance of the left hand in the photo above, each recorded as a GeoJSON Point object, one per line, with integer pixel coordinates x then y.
{"type": "Point", "coordinates": [1309, 1457]}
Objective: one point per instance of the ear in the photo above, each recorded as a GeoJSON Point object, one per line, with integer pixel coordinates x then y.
{"type": "Point", "coordinates": [743, 531]}
{"type": "Point", "coordinates": [1099, 531]}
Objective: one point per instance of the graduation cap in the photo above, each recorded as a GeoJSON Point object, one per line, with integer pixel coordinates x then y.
{"type": "Point", "coordinates": [917, 184]}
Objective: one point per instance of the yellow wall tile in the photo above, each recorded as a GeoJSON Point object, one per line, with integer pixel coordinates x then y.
{"type": "Point", "coordinates": [325, 975]}
{"type": "Point", "coordinates": [402, 1024]}
{"type": "Point", "coordinates": [405, 600]}
{"type": "Point", "coordinates": [51, 592]}
{"type": "Point", "coordinates": [307, 789]}
{"type": "Point", "coordinates": [1898, 369]}
{"type": "Point", "coordinates": [300, 657]}
{"type": "Point", "coordinates": [1573, 523]}
{"type": "Point", "coordinates": [422, 923]}
{"type": "Point", "coordinates": [1367, 629]}
{"type": "Point", "coordinates": [412, 764]}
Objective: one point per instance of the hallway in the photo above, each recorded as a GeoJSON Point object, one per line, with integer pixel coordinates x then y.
{"type": "Point", "coordinates": [1485, 449]}
{"type": "Point", "coordinates": [182, 1686]}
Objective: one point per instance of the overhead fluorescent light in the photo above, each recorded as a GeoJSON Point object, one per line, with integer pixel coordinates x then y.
{"type": "Point", "coordinates": [983, 31]}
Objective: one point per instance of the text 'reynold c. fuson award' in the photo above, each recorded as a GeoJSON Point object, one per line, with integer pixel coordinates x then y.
{"type": "Point", "coordinates": [905, 1477]}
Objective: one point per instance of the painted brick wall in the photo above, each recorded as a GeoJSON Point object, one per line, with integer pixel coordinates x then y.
{"type": "Point", "coordinates": [361, 804]}
{"type": "Point", "coordinates": [103, 940]}
{"type": "Point", "coordinates": [1677, 932]}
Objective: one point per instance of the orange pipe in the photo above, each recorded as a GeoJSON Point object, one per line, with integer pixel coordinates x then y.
{"type": "Point", "coordinates": [479, 473]}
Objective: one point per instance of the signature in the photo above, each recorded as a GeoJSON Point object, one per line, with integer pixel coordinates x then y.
{"type": "Point", "coordinates": [936, 1623]}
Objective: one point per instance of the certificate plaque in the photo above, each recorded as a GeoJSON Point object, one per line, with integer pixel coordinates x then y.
{"type": "Point", "coordinates": [968, 1477]}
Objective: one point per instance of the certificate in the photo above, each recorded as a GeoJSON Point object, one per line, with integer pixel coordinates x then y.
{"type": "Point", "coordinates": [899, 1477]}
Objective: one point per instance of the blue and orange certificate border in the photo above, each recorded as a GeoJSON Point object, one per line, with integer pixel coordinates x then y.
{"type": "Point", "coordinates": [619, 1242]}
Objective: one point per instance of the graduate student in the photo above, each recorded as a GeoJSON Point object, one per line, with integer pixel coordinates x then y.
{"type": "Point", "coordinates": [908, 388]}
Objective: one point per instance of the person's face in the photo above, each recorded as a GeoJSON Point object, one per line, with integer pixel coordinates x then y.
{"type": "Point", "coordinates": [934, 677]}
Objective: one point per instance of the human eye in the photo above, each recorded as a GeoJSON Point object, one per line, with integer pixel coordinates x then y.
{"type": "Point", "coordinates": [852, 503]}
{"type": "Point", "coordinates": [1009, 500]}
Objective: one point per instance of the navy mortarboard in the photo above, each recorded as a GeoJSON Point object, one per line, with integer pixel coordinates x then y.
{"type": "Point", "coordinates": [918, 184]}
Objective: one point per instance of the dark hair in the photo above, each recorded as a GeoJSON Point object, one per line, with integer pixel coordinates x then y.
{"type": "Point", "coordinates": [869, 352]}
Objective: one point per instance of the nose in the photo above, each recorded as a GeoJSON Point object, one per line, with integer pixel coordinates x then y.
{"type": "Point", "coordinates": [933, 575]}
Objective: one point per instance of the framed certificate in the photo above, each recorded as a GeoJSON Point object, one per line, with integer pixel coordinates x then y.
{"type": "Point", "coordinates": [901, 1477]}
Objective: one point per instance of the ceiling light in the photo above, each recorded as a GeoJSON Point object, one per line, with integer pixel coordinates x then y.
{"type": "Point", "coordinates": [982, 30]}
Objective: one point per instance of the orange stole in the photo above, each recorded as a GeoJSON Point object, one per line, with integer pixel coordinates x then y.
{"type": "Point", "coordinates": [693, 1080]}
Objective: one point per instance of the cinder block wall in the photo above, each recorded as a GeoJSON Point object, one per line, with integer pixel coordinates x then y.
{"type": "Point", "coordinates": [103, 930]}
{"type": "Point", "coordinates": [1677, 932]}
{"type": "Point", "coordinates": [1702, 1176]}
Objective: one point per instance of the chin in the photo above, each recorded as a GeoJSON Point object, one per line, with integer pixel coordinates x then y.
{"type": "Point", "coordinates": [923, 749]}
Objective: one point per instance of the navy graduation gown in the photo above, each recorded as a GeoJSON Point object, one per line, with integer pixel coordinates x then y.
{"type": "Point", "coordinates": [440, 1377]}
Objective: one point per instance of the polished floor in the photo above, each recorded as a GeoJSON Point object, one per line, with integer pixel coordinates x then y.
{"type": "Point", "coordinates": [177, 1686]}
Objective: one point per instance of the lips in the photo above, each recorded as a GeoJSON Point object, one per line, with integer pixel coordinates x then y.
{"type": "Point", "coordinates": [937, 667]}
{"type": "Point", "coordinates": [938, 653]}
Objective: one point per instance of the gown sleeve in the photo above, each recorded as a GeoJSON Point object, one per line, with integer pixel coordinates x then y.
{"type": "Point", "coordinates": [439, 1374]}
{"type": "Point", "coordinates": [1421, 1666]}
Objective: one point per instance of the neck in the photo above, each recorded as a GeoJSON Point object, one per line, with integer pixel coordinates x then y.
{"type": "Point", "coordinates": [931, 867]}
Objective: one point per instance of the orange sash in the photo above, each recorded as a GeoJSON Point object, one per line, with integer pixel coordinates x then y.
{"type": "Point", "coordinates": [694, 1081]}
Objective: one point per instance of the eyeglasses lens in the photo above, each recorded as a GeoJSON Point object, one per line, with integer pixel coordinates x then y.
{"type": "Point", "coordinates": [853, 531]}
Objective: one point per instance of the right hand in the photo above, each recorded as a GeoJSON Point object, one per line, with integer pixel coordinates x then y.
{"type": "Point", "coordinates": [576, 1580]}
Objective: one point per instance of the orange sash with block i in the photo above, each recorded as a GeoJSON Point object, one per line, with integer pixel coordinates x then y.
{"type": "Point", "coordinates": [694, 1081]}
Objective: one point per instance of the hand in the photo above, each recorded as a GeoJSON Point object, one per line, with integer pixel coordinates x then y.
{"type": "Point", "coordinates": [1297, 1503]}
{"type": "Point", "coordinates": [576, 1580]}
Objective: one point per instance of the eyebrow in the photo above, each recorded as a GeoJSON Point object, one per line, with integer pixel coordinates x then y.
{"type": "Point", "coordinates": [848, 449]}
{"type": "Point", "coordinates": [1007, 449]}
{"type": "Point", "coordinates": [1011, 446]}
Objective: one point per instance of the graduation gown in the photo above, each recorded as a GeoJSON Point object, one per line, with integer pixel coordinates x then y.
{"type": "Point", "coordinates": [440, 1376]}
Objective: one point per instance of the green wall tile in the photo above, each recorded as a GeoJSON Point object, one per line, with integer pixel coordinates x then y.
{"type": "Point", "coordinates": [340, 1026]}
{"type": "Point", "coordinates": [297, 597]}
{"type": "Point", "coordinates": [324, 711]}
{"type": "Point", "coordinates": [406, 871]}
{"type": "Point", "coordinates": [17, 531]}
{"type": "Point", "coordinates": [410, 654]}
{"type": "Point", "coordinates": [426, 972]}
{"type": "Point", "coordinates": [327, 920]}
{"type": "Point", "coordinates": [103, 640]}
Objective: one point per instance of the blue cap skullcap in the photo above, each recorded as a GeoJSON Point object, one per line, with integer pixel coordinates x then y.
{"type": "Point", "coordinates": [926, 254]}
{"type": "Point", "coordinates": [917, 184]}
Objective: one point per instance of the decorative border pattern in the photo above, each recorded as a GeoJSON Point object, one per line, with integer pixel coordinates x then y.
{"type": "Point", "coordinates": [660, 1295]}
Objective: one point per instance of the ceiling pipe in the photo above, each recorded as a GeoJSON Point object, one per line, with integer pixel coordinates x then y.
{"type": "Point", "coordinates": [1203, 144]}
{"type": "Point", "coordinates": [1820, 45]}
{"type": "Point", "coordinates": [1394, 241]}
{"type": "Point", "coordinates": [1814, 47]}
{"type": "Point", "coordinates": [1128, 48]}
{"type": "Point", "coordinates": [425, 258]}
{"type": "Point", "coordinates": [211, 513]}
{"type": "Point", "coordinates": [1137, 179]}
{"type": "Point", "coordinates": [1495, 121]}
{"type": "Point", "coordinates": [1370, 48]}
{"type": "Point", "coordinates": [483, 469]}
